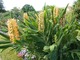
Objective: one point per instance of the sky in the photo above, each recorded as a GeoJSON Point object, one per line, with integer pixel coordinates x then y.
{"type": "Point", "coordinates": [37, 4]}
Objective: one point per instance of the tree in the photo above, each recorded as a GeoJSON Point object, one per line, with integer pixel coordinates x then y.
{"type": "Point", "coordinates": [1, 6]}
{"type": "Point", "coordinates": [27, 8]}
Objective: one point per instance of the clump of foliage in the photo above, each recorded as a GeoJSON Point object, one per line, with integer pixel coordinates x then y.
{"type": "Point", "coordinates": [76, 8]}
{"type": "Point", "coordinates": [56, 39]}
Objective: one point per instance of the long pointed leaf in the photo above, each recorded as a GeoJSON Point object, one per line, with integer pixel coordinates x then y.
{"type": "Point", "coordinates": [4, 42]}
{"type": "Point", "coordinates": [6, 46]}
{"type": "Point", "coordinates": [4, 34]}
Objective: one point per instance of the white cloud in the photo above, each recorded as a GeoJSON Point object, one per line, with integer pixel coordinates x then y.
{"type": "Point", "coordinates": [37, 4]}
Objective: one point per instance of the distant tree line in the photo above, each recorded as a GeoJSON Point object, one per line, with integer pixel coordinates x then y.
{"type": "Point", "coordinates": [1, 6]}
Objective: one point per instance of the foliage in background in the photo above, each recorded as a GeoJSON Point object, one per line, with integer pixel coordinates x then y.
{"type": "Point", "coordinates": [76, 8]}
{"type": "Point", "coordinates": [27, 8]}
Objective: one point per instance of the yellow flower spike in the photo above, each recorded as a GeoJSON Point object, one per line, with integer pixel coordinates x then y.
{"type": "Point", "coordinates": [25, 16]}
{"type": "Point", "coordinates": [56, 13]}
{"type": "Point", "coordinates": [13, 30]}
{"type": "Point", "coordinates": [12, 38]}
{"type": "Point", "coordinates": [41, 21]}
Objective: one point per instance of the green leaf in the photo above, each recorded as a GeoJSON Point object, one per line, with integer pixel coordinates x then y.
{"type": "Point", "coordinates": [54, 54]}
{"type": "Point", "coordinates": [78, 37]}
{"type": "Point", "coordinates": [62, 14]}
{"type": "Point", "coordinates": [4, 34]}
{"type": "Point", "coordinates": [5, 46]}
{"type": "Point", "coordinates": [52, 47]}
{"type": "Point", "coordinates": [4, 42]}
{"type": "Point", "coordinates": [46, 48]}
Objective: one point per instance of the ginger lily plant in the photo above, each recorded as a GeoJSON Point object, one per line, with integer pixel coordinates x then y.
{"type": "Point", "coordinates": [48, 37]}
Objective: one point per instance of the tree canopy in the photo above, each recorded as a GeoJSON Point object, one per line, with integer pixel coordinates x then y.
{"type": "Point", "coordinates": [27, 8]}
{"type": "Point", "coordinates": [1, 6]}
